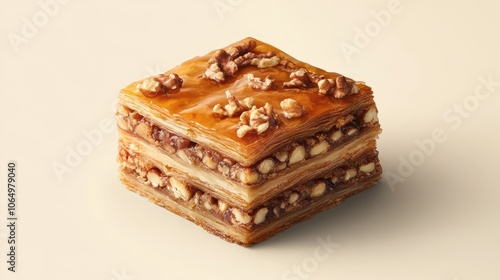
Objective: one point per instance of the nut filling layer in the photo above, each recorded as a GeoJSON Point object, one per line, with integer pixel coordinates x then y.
{"type": "Point", "coordinates": [291, 200]}
{"type": "Point", "coordinates": [346, 129]}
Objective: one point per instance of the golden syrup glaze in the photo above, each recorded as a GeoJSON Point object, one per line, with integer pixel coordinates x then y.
{"type": "Point", "coordinates": [192, 105]}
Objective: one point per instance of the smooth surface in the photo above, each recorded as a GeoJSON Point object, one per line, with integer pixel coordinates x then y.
{"type": "Point", "coordinates": [433, 66]}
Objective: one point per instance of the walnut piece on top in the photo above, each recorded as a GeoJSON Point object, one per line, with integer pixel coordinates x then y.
{"type": "Point", "coordinates": [256, 120]}
{"type": "Point", "coordinates": [338, 88]}
{"type": "Point", "coordinates": [342, 87]}
{"type": "Point", "coordinates": [259, 84]}
{"type": "Point", "coordinates": [225, 63]}
{"type": "Point", "coordinates": [159, 84]}
{"type": "Point", "coordinates": [299, 79]}
{"type": "Point", "coordinates": [234, 106]}
{"type": "Point", "coordinates": [292, 108]}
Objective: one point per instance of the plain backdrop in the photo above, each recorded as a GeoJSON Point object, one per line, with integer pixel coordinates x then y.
{"type": "Point", "coordinates": [434, 68]}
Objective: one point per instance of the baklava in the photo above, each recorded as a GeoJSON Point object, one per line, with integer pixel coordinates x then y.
{"type": "Point", "coordinates": [247, 141]}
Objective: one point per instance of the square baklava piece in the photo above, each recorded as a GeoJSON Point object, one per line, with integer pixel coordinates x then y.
{"type": "Point", "coordinates": [247, 141]}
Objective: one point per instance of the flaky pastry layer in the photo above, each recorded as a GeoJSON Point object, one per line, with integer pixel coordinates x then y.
{"type": "Point", "coordinates": [249, 196]}
{"type": "Point", "coordinates": [243, 228]}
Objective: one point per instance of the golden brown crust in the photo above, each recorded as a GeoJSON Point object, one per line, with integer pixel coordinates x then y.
{"type": "Point", "coordinates": [198, 122]}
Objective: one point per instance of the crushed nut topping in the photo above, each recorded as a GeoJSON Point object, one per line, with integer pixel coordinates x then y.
{"type": "Point", "coordinates": [223, 65]}
{"type": "Point", "coordinates": [159, 84]}
{"type": "Point", "coordinates": [226, 63]}
{"type": "Point", "coordinates": [342, 87]}
{"type": "Point", "coordinates": [248, 102]}
{"type": "Point", "coordinates": [150, 87]}
{"type": "Point", "coordinates": [325, 85]}
{"type": "Point", "coordinates": [259, 84]}
{"type": "Point", "coordinates": [171, 82]}
{"type": "Point", "coordinates": [292, 108]}
{"type": "Point", "coordinates": [287, 64]}
{"type": "Point", "coordinates": [339, 88]}
{"type": "Point", "coordinates": [234, 106]}
{"type": "Point", "coordinates": [299, 79]}
{"type": "Point", "coordinates": [265, 62]}
{"type": "Point", "coordinates": [256, 120]}
{"type": "Point", "coordinates": [242, 49]}
{"type": "Point", "coordinates": [252, 58]}
{"type": "Point", "coordinates": [243, 130]}
{"type": "Point", "coordinates": [213, 72]}
{"type": "Point", "coordinates": [219, 110]}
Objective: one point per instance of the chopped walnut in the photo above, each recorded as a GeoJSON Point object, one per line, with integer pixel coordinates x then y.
{"type": "Point", "coordinates": [230, 68]}
{"type": "Point", "coordinates": [242, 49]}
{"type": "Point", "coordinates": [256, 120]}
{"type": "Point", "coordinates": [244, 60]}
{"type": "Point", "coordinates": [150, 87]}
{"type": "Point", "coordinates": [213, 72]}
{"type": "Point", "coordinates": [259, 120]}
{"type": "Point", "coordinates": [269, 110]}
{"type": "Point", "coordinates": [251, 58]}
{"type": "Point", "coordinates": [315, 78]}
{"type": "Point", "coordinates": [325, 85]}
{"type": "Point", "coordinates": [161, 83]}
{"type": "Point", "coordinates": [223, 64]}
{"type": "Point", "coordinates": [299, 78]}
{"type": "Point", "coordinates": [172, 81]}
{"type": "Point", "coordinates": [245, 116]}
{"type": "Point", "coordinates": [300, 74]}
{"type": "Point", "coordinates": [259, 84]}
{"type": "Point", "coordinates": [248, 102]}
{"type": "Point", "coordinates": [265, 62]}
{"type": "Point", "coordinates": [243, 130]}
{"type": "Point", "coordinates": [288, 65]}
{"type": "Point", "coordinates": [343, 88]}
{"type": "Point", "coordinates": [220, 66]}
{"type": "Point", "coordinates": [234, 106]}
{"type": "Point", "coordinates": [219, 110]}
{"type": "Point", "coordinates": [355, 88]}
{"type": "Point", "coordinates": [292, 108]}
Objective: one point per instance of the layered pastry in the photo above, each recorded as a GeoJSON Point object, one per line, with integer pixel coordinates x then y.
{"type": "Point", "coordinates": [247, 141]}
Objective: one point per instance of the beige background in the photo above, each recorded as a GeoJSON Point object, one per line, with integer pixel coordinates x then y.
{"type": "Point", "coordinates": [435, 217]}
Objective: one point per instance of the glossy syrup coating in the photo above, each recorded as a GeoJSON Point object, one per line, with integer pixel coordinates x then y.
{"type": "Point", "coordinates": [192, 104]}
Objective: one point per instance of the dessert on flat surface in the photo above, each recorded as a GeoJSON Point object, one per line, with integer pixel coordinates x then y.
{"type": "Point", "coordinates": [247, 141]}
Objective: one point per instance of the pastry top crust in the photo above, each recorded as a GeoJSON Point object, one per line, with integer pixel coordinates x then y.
{"type": "Point", "coordinates": [313, 100]}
